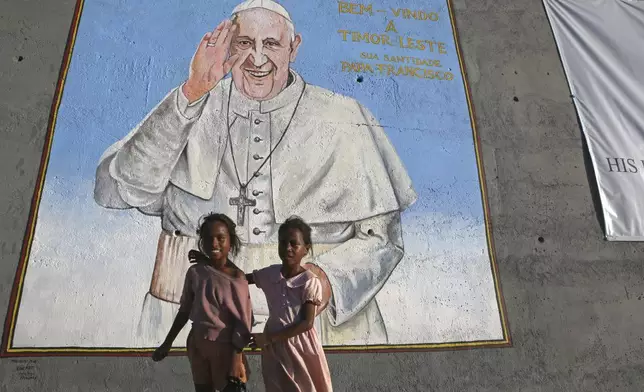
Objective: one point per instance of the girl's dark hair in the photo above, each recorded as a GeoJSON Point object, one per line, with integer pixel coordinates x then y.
{"type": "Point", "coordinates": [205, 230]}
{"type": "Point", "coordinates": [296, 223]}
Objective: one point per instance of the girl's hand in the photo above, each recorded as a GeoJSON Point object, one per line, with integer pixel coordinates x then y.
{"type": "Point", "coordinates": [161, 352]}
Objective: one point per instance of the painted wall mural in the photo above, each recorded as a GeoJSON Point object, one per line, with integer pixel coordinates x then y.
{"type": "Point", "coordinates": [353, 116]}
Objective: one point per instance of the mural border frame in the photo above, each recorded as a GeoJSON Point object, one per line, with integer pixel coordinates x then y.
{"type": "Point", "coordinates": [6, 349]}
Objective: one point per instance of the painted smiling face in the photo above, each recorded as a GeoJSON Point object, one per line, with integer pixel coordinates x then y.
{"type": "Point", "coordinates": [266, 46]}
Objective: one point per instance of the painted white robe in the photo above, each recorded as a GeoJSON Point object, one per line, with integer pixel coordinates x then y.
{"type": "Point", "coordinates": [335, 168]}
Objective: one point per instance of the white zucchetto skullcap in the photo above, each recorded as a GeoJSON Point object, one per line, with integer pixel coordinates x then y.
{"type": "Point", "coordinates": [265, 4]}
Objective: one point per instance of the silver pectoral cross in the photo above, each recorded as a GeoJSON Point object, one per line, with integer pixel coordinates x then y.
{"type": "Point", "coordinates": [242, 201]}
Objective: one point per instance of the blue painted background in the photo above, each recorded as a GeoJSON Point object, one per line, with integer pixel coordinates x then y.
{"type": "Point", "coordinates": [130, 53]}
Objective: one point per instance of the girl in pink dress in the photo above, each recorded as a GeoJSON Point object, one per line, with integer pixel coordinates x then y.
{"type": "Point", "coordinates": [216, 298]}
{"type": "Point", "coordinates": [292, 357]}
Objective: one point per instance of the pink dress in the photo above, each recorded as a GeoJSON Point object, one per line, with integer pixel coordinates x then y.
{"type": "Point", "coordinates": [297, 364]}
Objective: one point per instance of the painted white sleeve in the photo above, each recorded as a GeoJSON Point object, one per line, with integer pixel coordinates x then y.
{"type": "Point", "coordinates": [135, 171]}
{"type": "Point", "coordinates": [187, 109]}
{"type": "Point", "coordinates": [359, 267]}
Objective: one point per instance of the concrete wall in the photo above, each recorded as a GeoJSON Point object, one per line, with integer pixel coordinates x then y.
{"type": "Point", "coordinates": [573, 300]}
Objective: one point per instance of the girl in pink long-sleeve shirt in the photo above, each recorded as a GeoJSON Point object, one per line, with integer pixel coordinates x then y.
{"type": "Point", "coordinates": [292, 357]}
{"type": "Point", "coordinates": [216, 298]}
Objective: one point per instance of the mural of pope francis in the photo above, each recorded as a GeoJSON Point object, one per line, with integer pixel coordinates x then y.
{"type": "Point", "coordinates": [261, 146]}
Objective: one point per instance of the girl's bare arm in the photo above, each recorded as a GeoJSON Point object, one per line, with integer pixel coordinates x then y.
{"type": "Point", "coordinates": [179, 322]}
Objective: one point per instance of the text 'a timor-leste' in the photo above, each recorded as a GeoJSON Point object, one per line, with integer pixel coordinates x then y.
{"type": "Point", "coordinates": [398, 41]}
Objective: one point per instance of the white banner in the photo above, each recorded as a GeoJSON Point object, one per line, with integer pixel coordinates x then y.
{"type": "Point", "coordinates": [601, 44]}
